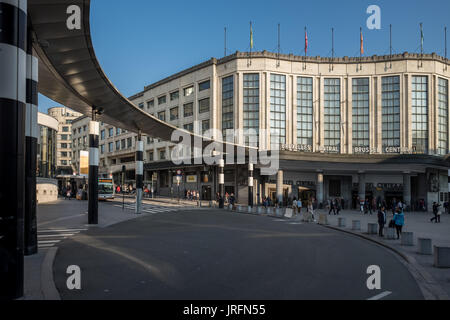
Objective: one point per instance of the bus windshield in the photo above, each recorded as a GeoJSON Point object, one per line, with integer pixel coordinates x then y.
{"type": "Point", "coordinates": [105, 187]}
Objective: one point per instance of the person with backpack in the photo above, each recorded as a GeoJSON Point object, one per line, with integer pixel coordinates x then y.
{"type": "Point", "coordinates": [435, 212]}
{"type": "Point", "coordinates": [399, 221]}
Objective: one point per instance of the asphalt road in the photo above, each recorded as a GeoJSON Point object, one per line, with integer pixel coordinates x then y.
{"type": "Point", "coordinates": [212, 255]}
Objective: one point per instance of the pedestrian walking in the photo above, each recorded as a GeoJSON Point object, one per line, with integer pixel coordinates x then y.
{"type": "Point", "coordinates": [439, 213]}
{"type": "Point", "coordinates": [299, 206]}
{"type": "Point", "coordinates": [337, 206]}
{"type": "Point", "coordinates": [381, 221]}
{"type": "Point", "coordinates": [399, 220]}
{"type": "Point", "coordinates": [311, 211]}
{"type": "Point", "coordinates": [435, 212]}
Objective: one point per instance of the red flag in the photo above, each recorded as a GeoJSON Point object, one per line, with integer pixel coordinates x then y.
{"type": "Point", "coordinates": [362, 43]}
{"type": "Point", "coordinates": [306, 42]}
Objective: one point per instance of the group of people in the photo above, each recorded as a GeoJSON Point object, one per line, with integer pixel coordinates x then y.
{"type": "Point", "coordinates": [124, 189]}
{"type": "Point", "coordinates": [397, 221]}
{"type": "Point", "coordinates": [297, 206]}
{"type": "Point", "coordinates": [192, 195]}
{"type": "Point", "coordinates": [335, 206]}
{"type": "Point", "coordinates": [437, 212]}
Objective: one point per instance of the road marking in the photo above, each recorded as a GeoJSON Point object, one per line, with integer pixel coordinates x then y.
{"type": "Point", "coordinates": [56, 235]}
{"type": "Point", "coordinates": [381, 296]}
{"type": "Point", "coordinates": [60, 230]}
{"type": "Point", "coordinates": [49, 241]}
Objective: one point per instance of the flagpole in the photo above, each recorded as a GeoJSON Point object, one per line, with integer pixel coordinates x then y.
{"type": "Point", "coordinates": [306, 48]}
{"type": "Point", "coordinates": [361, 48]}
{"type": "Point", "coordinates": [251, 44]}
{"type": "Point", "coordinates": [421, 44]}
{"type": "Point", "coordinates": [278, 62]}
{"type": "Point", "coordinates": [332, 48]}
{"type": "Point", "coordinates": [445, 45]}
{"type": "Point", "coordinates": [390, 45]}
{"type": "Point", "coordinates": [225, 42]}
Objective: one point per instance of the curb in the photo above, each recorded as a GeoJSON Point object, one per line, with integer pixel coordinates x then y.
{"type": "Point", "coordinates": [48, 287]}
{"type": "Point", "coordinates": [428, 286]}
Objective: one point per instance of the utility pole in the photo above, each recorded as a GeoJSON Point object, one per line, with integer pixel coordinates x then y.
{"type": "Point", "coordinates": [94, 132]}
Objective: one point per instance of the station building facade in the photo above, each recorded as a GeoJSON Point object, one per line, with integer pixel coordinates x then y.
{"type": "Point", "coordinates": [350, 128]}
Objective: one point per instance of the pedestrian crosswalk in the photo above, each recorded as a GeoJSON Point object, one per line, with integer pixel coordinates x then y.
{"type": "Point", "coordinates": [48, 238]}
{"type": "Point", "coordinates": [148, 208]}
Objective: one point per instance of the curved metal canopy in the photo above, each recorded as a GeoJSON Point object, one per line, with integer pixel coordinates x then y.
{"type": "Point", "coordinates": [70, 74]}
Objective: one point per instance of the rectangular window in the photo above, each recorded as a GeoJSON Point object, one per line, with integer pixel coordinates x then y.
{"type": "Point", "coordinates": [332, 115]}
{"type": "Point", "coordinates": [277, 111]}
{"type": "Point", "coordinates": [117, 131]}
{"type": "Point", "coordinates": [64, 137]}
{"type": "Point", "coordinates": [141, 105]}
{"type": "Point", "coordinates": [84, 128]}
{"type": "Point", "coordinates": [205, 126]}
{"type": "Point", "coordinates": [391, 114]}
{"type": "Point", "coordinates": [162, 100]}
{"type": "Point", "coordinates": [162, 116]}
{"type": "Point", "coordinates": [188, 109]}
{"type": "Point", "coordinates": [65, 129]}
{"type": "Point", "coordinates": [102, 134]}
{"type": "Point", "coordinates": [150, 156]}
{"type": "Point", "coordinates": [162, 154]}
{"type": "Point", "coordinates": [110, 147]}
{"type": "Point", "coordinates": [251, 108]}
{"type": "Point", "coordinates": [443, 116]}
{"type": "Point", "coordinates": [118, 145]}
{"type": "Point", "coordinates": [227, 104]}
{"type": "Point", "coordinates": [188, 91]}
{"type": "Point", "coordinates": [123, 144]}
{"type": "Point", "coordinates": [102, 149]}
{"type": "Point", "coordinates": [174, 114]}
{"type": "Point", "coordinates": [129, 143]}
{"type": "Point", "coordinates": [204, 85]}
{"type": "Point", "coordinates": [174, 95]}
{"type": "Point", "coordinates": [63, 145]}
{"type": "Point", "coordinates": [420, 114]}
{"type": "Point", "coordinates": [305, 113]}
{"type": "Point", "coordinates": [360, 118]}
{"type": "Point", "coordinates": [150, 104]}
{"type": "Point", "coordinates": [203, 105]}
{"type": "Point", "coordinates": [189, 127]}
{"type": "Point", "coordinates": [111, 132]}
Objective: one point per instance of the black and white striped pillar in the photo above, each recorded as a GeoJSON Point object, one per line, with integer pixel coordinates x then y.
{"type": "Point", "coordinates": [94, 132]}
{"type": "Point", "coordinates": [139, 172]}
{"type": "Point", "coordinates": [221, 183]}
{"type": "Point", "coordinates": [31, 138]}
{"type": "Point", "coordinates": [13, 61]}
{"type": "Point", "coordinates": [250, 185]}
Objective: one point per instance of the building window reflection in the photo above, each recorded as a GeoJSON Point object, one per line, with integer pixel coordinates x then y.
{"type": "Point", "coordinates": [46, 155]}
{"type": "Point", "coordinates": [277, 111]}
{"type": "Point", "coordinates": [360, 112]}
{"type": "Point", "coordinates": [420, 114]}
{"type": "Point", "coordinates": [332, 113]}
{"type": "Point", "coordinates": [305, 111]}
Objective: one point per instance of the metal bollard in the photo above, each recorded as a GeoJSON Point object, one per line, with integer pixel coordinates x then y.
{"type": "Point", "coordinates": [425, 246]}
{"type": "Point", "coordinates": [341, 222]}
{"type": "Point", "coordinates": [390, 234]}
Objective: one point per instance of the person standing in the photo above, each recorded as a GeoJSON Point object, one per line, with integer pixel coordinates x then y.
{"type": "Point", "coordinates": [337, 206]}
{"type": "Point", "coordinates": [311, 211]}
{"type": "Point", "coordinates": [399, 220]}
{"type": "Point", "coordinates": [381, 220]}
{"type": "Point", "coordinates": [439, 213]}
{"type": "Point", "coordinates": [299, 205]}
{"type": "Point", "coordinates": [332, 209]}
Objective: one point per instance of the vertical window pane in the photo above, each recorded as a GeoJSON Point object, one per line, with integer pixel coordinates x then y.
{"type": "Point", "coordinates": [251, 106]}
{"type": "Point", "coordinates": [305, 112]}
{"type": "Point", "coordinates": [227, 105]}
{"type": "Point", "coordinates": [391, 114]}
{"type": "Point", "coordinates": [443, 116]}
{"type": "Point", "coordinates": [277, 111]}
{"type": "Point", "coordinates": [360, 118]}
{"type": "Point", "coordinates": [420, 113]}
{"type": "Point", "coordinates": [332, 114]}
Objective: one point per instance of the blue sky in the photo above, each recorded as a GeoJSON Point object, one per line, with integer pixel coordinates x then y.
{"type": "Point", "coordinates": [139, 42]}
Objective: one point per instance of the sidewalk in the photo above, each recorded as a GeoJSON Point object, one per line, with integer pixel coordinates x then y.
{"type": "Point", "coordinates": [416, 222]}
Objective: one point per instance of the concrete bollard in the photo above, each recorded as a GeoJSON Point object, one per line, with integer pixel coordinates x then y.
{"type": "Point", "coordinates": [289, 213]}
{"type": "Point", "coordinates": [323, 219]}
{"type": "Point", "coordinates": [278, 212]}
{"type": "Point", "coordinates": [372, 228]}
{"type": "Point", "coordinates": [230, 207]}
{"type": "Point", "coordinates": [250, 209]}
{"type": "Point", "coordinates": [425, 246]}
{"type": "Point", "coordinates": [254, 210]}
{"type": "Point", "coordinates": [441, 257]}
{"type": "Point", "coordinates": [390, 233]}
{"type": "Point", "coordinates": [239, 209]}
{"type": "Point", "coordinates": [261, 210]}
{"type": "Point", "coordinates": [407, 239]}
{"type": "Point", "coordinates": [341, 222]}
{"type": "Point", "coordinates": [269, 210]}
{"type": "Point", "coordinates": [356, 225]}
